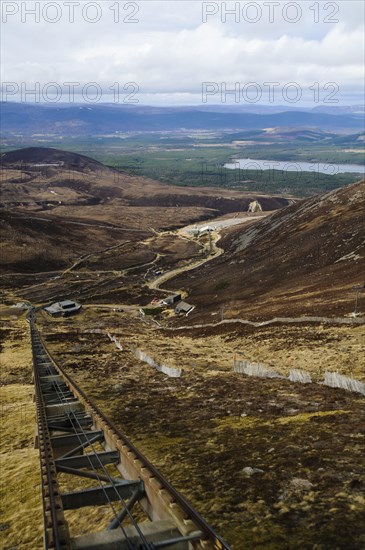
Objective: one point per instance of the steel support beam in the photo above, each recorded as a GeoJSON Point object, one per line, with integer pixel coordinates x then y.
{"type": "Point", "coordinates": [86, 438]}
{"type": "Point", "coordinates": [137, 495]}
{"type": "Point", "coordinates": [87, 474]}
{"type": "Point", "coordinates": [100, 495]}
{"type": "Point", "coordinates": [92, 459]}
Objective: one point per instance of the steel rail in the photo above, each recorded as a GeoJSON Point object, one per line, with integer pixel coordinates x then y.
{"type": "Point", "coordinates": [73, 418]}
{"type": "Point", "coordinates": [51, 512]}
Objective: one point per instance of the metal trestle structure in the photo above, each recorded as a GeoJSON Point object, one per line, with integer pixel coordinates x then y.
{"type": "Point", "coordinates": [76, 440]}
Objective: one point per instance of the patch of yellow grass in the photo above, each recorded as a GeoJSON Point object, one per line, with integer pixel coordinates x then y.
{"type": "Point", "coordinates": [304, 417]}
{"type": "Point", "coordinates": [20, 489]}
{"type": "Point", "coordinates": [238, 423]}
{"type": "Point", "coordinates": [15, 356]}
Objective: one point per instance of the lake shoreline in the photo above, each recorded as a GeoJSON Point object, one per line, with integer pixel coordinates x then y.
{"type": "Point", "coordinates": [295, 166]}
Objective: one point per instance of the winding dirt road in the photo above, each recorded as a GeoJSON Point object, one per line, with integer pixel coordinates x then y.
{"type": "Point", "coordinates": [216, 251]}
{"type": "Point", "coordinates": [211, 249]}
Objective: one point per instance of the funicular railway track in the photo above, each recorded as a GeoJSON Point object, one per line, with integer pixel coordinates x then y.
{"type": "Point", "coordinates": [77, 440]}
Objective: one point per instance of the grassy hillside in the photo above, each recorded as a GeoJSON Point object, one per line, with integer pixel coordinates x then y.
{"type": "Point", "coordinates": [304, 259]}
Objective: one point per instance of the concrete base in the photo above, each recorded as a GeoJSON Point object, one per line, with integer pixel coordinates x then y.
{"type": "Point", "coordinates": [115, 540]}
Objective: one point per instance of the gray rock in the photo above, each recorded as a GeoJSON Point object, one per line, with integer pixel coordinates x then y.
{"type": "Point", "coordinates": [248, 471]}
{"type": "Point", "coordinates": [300, 484]}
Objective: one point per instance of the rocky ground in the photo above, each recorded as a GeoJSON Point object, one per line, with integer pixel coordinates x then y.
{"type": "Point", "coordinates": [271, 464]}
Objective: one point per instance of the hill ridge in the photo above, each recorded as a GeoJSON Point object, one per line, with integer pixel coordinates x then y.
{"type": "Point", "coordinates": [28, 119]}
{"type": "Point", "coordinates": [49, 156]}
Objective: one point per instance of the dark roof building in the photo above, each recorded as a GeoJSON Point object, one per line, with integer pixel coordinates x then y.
{"type": "Point", "coordinates": [173, 299]}
{"type": "Point", "coordinates": [63, 309]}
{"type": "Point", "coordinates": [183, 307]}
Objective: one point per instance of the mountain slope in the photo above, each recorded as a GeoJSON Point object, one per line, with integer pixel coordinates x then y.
{"type": "Point", "coordinates": [303, 259]}
{"type": "Point", "coordinates": [48, 178]}
{"type": "Point", "coordinates": [57, 205]}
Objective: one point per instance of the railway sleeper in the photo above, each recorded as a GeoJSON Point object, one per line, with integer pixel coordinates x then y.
{"type": "Point", "coordinates": [57, 401]}
{"type": "Point", "coordinates": [63, 408]}
{"type": "Point", "coordinates": [49, 388]}
{"type": "Point", "coordinates": [55, 378]}
{"type": "Point", "coordinates": [69, 421]}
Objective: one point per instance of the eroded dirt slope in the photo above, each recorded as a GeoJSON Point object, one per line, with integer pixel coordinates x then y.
{"type": "Point", "coordinates": [304, 259]}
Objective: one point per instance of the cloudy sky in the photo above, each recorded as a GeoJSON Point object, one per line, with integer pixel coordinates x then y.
{"type": "Point", "coordinates": [170, 50]}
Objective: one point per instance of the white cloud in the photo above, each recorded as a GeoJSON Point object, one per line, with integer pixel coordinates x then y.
{"type": "Point", "coordinates": [170, 51]}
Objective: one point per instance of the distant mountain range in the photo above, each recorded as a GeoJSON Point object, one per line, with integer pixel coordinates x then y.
{"type": "Point", "coordinates": [74, 120]}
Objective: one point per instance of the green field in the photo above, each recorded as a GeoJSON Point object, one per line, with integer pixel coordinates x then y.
{"type": "Point", "coordinates": [197, 158]}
